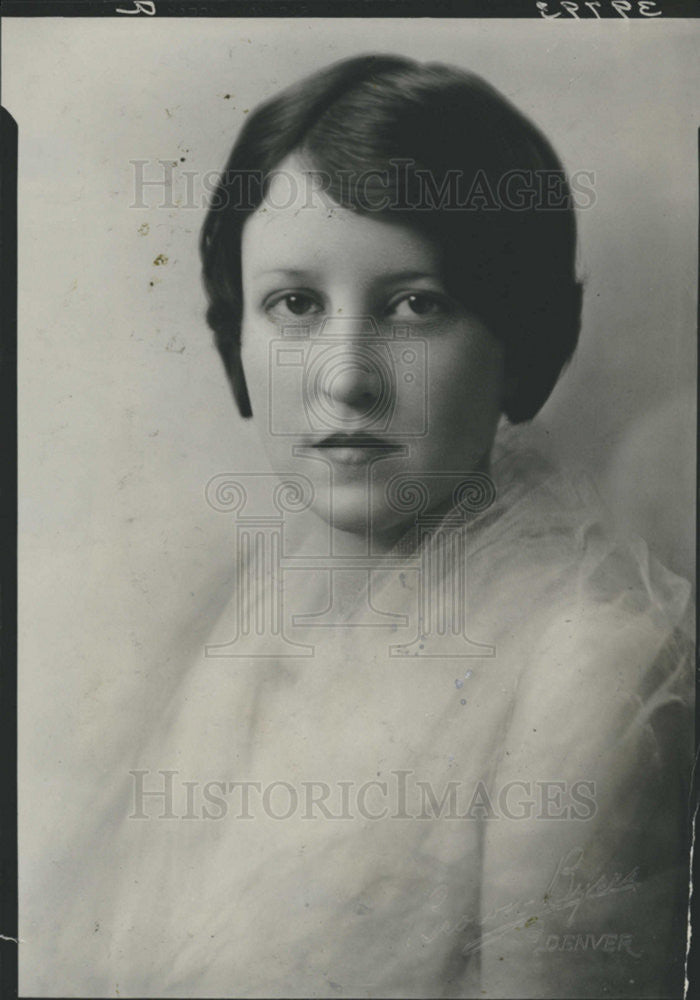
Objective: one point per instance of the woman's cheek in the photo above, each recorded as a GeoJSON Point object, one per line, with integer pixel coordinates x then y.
{"type": "Point", "coordinates": [255, 359]}
{"type": "Point", "coordinates": [465, 376]}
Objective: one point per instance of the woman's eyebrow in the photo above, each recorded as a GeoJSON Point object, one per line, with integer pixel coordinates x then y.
{"type": "Point", "coordinates": [380, 281]}
{"type": "Point", "coordinates": [288, 272]}
{"type": "Point", "coordinates": [409, 275]}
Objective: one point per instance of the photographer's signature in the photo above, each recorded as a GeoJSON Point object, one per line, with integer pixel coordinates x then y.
{"type": "Point", "coordinates": [566, 891]}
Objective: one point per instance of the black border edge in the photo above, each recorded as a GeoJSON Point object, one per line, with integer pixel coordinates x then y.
{"type": "Point", "coordinates": [8, 399]}
{"type": "Point", "coordinates": [8, 559]}
{"type": "Point", "coordinates": [509, 9]}
{"type": "Point", "coordinates": [693, 953]}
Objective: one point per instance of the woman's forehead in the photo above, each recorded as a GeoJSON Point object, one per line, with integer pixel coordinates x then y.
{"type": "Point", "coordinates": [297, 222]}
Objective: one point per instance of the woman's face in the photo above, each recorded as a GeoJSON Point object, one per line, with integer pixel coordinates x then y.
{"type": "Point", "coordinates": [359, 365]}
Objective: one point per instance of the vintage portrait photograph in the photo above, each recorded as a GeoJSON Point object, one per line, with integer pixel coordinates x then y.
{"type": "Point", "coordinates": [357, 405]}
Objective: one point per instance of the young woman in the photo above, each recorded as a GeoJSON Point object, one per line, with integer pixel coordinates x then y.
{"type": "Point", "coordinates": [443, 741]}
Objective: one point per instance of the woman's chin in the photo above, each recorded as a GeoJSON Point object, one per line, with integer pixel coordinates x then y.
{"type": "Point", "coordinates": [352, 515]}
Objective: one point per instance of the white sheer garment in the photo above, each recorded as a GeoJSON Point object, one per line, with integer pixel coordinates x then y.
{"type": "Point", "coordinates": [539, 848]}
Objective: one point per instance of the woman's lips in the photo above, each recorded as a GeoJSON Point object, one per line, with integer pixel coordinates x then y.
{"type": "Point", "coordinates": [353, 449]}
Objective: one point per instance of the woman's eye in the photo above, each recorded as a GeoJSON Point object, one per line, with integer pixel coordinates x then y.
{"type": "Point", "coordinates": [417, 304]}
{"type": "Point", "coordinates": [294, 304]}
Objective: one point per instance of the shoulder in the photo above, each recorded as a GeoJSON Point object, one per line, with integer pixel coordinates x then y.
{"type": "Point", "coordinates": [549, 523]}
{"type": "Point", "coordinates": [601, 708]}
{"type": "Point", "coordinates": [610, 654]}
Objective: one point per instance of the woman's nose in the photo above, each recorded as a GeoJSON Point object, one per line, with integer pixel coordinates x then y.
{"type": "Point", "coordinates": [351, 374]}
{"type": "Point", "coordinates": [351, 377]}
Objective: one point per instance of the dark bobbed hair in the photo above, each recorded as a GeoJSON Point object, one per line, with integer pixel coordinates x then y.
{"type": "Point", "coordinates": [514, 269]}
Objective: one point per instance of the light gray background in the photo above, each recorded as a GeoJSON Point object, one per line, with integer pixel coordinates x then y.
{"type": "Point", "coordinates": [124, 410]}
